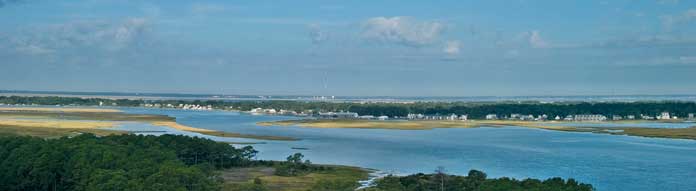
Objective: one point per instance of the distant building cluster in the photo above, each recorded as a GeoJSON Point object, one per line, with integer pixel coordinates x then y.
{"type": "Point", "coordinates": [339, 115]}
{"type": "Point", "coordinates": [451, 117]}
{"type": "Point", "coordinates": [586, 117]}
{"type": "Point", "coordinates": [257, 111]}
{"type": "Point", "coordinates": [180, 106]}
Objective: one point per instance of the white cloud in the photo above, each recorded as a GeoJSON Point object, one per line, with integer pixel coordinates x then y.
{"type": "Point", "coordinates": [536, 41]}
{"type": "Point", "coordinates": [452, 47]}
{"type": "Point", "coordinates": [4, 2]}
{"type": "Point", "coordinates": [316, 34]}
{"type": "Point", "coordinates": [33, 49]}
{"type": "Point", "coordinates": [671, 21]}
{"type": "Point", "coordinates": [87, 35]}
{"type": "Point", "coordinates": [659, 61]}
{"type": "Point", "coordinates": [199, 8]}
{"type": "Point", "coordinates": [402, 30]}
{"type": "Point", "coordinates": [667, 1]}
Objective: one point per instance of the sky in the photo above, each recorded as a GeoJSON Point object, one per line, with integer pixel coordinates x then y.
{"type": "Point", "coordinates": [351, 48]}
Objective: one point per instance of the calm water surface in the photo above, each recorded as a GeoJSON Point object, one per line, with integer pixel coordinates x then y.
{"type": "Point", "coordinates": [609, 162]}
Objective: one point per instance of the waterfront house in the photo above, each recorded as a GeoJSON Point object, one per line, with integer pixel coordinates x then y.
{"type": "Point", "coordinates": [590, 118]}
{"type": "Point", "coordinates": [453, 117]}
{"type": "Point", "coordinates": [338, 115]}
{"type": "Point", "coordinates": [664, 115]}
{"type": "Point", "coordinates": [691, 116]}
{"type": "Point", "coordinates": [616, 117]}
{"type": "Point", "coordinates": [383, 117]}
{"type": "Point", "coordinates": [491, 117]}
{"type": "Point", "coordinates": [646, 117]}
{"type": "Point", "coordinates": [367, 117]}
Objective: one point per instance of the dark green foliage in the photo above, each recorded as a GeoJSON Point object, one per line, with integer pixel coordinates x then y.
{"type": "Point", "coordinates": [475, 181]}
{"type": "Point", "coordinates": [124, 162]}
{"type": "Point", "coordinates": [294, 166]}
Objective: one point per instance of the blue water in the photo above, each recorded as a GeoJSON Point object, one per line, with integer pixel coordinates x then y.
{"type": "Point", "coordinates": [609, 162]}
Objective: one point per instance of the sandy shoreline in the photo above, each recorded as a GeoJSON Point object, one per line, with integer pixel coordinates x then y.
{"type": "Point", "coordinates": [59, 109]}
{"type": "Point", "coordinates": [675, 133]}
{"type": "Point", "coordinates": [26, 118]}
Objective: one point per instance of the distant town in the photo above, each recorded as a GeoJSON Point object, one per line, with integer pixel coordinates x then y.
{"type": "Point", "coordinates": [449, 111]}
{"type": "Point", "coordinates": [454, 117]}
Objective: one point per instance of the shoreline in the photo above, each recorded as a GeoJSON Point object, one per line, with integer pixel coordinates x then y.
{"type": "Point", "coordinates": [671, 133]}
{"type": "Point", "coordinates": [49, 119]}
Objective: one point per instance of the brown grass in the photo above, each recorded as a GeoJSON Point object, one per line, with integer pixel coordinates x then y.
{"type": "Point", "coordinates": [59, 109]}
{"type": "Point", "coordinates": [237, 176]}
{"type": "Point", "coordinates": [679, 133]}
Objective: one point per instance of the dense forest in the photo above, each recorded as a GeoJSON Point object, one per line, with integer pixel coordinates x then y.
{"type": "Point", "coordinates": [474, 110]}
{"type": "Point", "coordinates": [174, 162]}
{"type": "Point", "coordinates": [123, 162]}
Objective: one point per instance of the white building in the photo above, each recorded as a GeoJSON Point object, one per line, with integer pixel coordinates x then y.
{"type": "Point", "coordinates": [383, 117]}
{"type": "Point", "coordinates": [664, 115]}
{"type": "Point", "coordinates": [616, 117]}
{"type": "Point", "coordinates": [491, 117]}
{"type": "Point", "coordinates": [367, 117]}
{"type": "Point", "coordinates": [339, 115]}
{"type": "Point", "coordinates": [452, 117]}
{"type": "Point", "coordinates": [691, 116]}
{"type": "Point", "coordinates": [590, 118]}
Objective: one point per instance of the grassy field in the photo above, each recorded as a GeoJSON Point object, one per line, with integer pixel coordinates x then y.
{"type": "Point", "coordinates": [681, 133]}
{"type": "Point", "coordinates": [53, 132]}
{"type": "Point", "coordinates": [44, 121]}
{"type": "Point", "coordinates": [60, 109]}
{"type": "Point", "coordinates": [241, 178]}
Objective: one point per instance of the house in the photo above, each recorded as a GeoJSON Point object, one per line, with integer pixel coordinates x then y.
{"type": "Point", "coordinates": [464, 117]}
{"type": "Point", "coordinates": [367, 117]}
{"type": "Point", "coordinates": [338, 115]}
{"type": "Point", "coordinates": [664, 115]}
{"type": "Point", "coordinates": [691, 116]}
{"type": "Point", "coordinates": [646, 117]}
{"type": "Point", "coordinates": [590, 118]}
{"type": "Point", "coordinates": [515, 116]}
{"type": "Point", "coordinates": [616, 117]}
{"type": "Point", "coordinates": [491, 117]}
{"type": "Point", "coordinates": [557, 118]}
{"type": "Point", "coordinates": [383, 117]}
{"type": "Point", "coordinates": [452, 117]}
{"type": "Point", "coordinates": [412, 116]}
{"type": "Point", "coordinates": [630, 117]}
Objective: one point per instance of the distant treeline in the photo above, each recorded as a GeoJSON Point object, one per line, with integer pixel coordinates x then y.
{"type": "Point", "coordinates": [475, 181]}
{"type": "Point", "coordinates": [474, 110]}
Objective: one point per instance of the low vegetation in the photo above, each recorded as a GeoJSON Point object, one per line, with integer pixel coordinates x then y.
{"type": "Point", "coordinates": [474, 181]}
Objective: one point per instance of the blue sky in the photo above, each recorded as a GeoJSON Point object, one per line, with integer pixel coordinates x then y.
{"type": "Point", "coordinates": [326, 47]}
